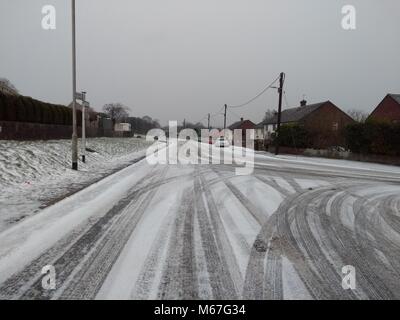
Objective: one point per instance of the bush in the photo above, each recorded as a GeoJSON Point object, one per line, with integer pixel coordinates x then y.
{"type": "Point", "coordinates": [294, 136]}
{"type": "Point", "coordinates": [11, 110]}
{"type": "Point", "coordinates": [30, 109]}
{"type": "Point", "coordinates": [21, 110]}
{"type": "Point", "coordinates": [381, 138]}
{"type": "Point", "coordinates": [26, 109]}
{"type": "Point", "coordinates": [2, 108]}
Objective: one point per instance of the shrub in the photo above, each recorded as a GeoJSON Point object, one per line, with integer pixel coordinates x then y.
{"type": "Point", "coordinates": [294, 136]}
{"type": "Point", "coordinates": [11, 111]}
{"type": "Point", "coordinates": [21, 110]}
{"type": "Point", "coordinates": [2, 107]}
{"type": "Point", "coordinates": [382, 138]}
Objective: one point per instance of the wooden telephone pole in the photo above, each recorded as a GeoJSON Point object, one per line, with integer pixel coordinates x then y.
{"type": "Point", "coordinates": [226, 107]}
{"type": "Point", "coordinates": [278, 127]}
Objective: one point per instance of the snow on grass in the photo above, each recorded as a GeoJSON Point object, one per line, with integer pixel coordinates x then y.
{"type": "Point", "coordinates": [35, 173]}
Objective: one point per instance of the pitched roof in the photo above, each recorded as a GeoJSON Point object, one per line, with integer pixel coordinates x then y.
{"type": "Point", "coordinates": [294, 114]}
{"type": "Point", "coordinates": [396, 97]}
{"type": "Point", "coordinates": [266, 122]}
{"type": "Point", "coordinates": [238, 124]}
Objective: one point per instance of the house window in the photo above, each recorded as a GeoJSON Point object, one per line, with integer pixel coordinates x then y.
{"type": "Point", "coordinates": [335, 126]}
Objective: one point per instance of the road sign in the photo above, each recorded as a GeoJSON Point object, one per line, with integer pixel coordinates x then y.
{"type": "Point", "coordinates": [80, 96]}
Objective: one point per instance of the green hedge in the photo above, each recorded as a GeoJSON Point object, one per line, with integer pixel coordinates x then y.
{"type": "Point", "coordinates": [26, 109]}
{"type": "Point", "coordinates": [294, 136]}
{"type": "Point", "coordinates": [380, 138]}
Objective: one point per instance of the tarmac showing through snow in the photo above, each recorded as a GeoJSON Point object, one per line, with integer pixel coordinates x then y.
{"type": "Point", "coordinates": [203, 232]}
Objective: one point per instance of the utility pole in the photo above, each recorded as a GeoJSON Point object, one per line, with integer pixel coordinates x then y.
{"type": "Point", "coordinates": [84, 105]}
{"type": "Point", "coordinates": [226, 107]}
{"type": "Point", "coordinates": [74, 125]}
{"type": "Point", "coordinates": [278, 128]}
{"type": "Point", "coordinates": [184, 123]}
{"type": "Point", "coordinates": [208, 126]}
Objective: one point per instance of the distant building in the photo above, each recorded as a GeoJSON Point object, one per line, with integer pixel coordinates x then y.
{"type": "Point", "coordinates": [324, 121]}
{"type": "Point", "coordinates": [123, 127]}
{"type": "Point", "coordinates": [243, 125]}
{"type": "Point", "coordinates": [388, 110]}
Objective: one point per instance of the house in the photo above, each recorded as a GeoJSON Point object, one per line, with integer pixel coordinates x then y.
{"type": "Point", "coordinates": [243, 125]}
{"type": "Point", "coordinates": [324, 121]}
{"type": "Point", "coordinates": [265, 129]}
{"type": "Point", "coordinates": [388, 110]}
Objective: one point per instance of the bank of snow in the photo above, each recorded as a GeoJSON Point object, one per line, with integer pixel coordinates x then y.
{"type": "Point", "coordinates": [35, 173]}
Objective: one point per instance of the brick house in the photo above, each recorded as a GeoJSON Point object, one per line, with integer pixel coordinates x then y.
{"type": "Point", "coordinates": [388, 110]}
{"type": "Point", "coordinates": [243, 125]}
{"type": "Point", "coordinates": [324, 121]}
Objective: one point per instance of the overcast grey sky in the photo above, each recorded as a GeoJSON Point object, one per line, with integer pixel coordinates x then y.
{"type": "Point", "coordinates": [175, 59]}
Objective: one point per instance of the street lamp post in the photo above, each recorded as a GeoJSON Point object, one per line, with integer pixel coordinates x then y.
{"type": "Point", "coordinates": [74, 125]}
{"type": "Point", "coordinates": [85, 104]}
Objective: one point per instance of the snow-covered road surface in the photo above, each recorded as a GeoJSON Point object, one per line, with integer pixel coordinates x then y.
{"type": "Point", "coordinates": [202, 232]}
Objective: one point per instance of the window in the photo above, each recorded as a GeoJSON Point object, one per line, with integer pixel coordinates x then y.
{"type": "Point", "coordinates": [335, 126]}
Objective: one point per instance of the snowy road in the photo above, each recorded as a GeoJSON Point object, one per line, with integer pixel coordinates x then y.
{"type": "Point", "coordinates": [202, 232]}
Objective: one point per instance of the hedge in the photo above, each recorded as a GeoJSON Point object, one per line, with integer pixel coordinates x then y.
{"type": "Point", "coordinates": [381, 138]}
{"type": "Point", "coordinates": [294, 136]}
{"type": "Point", "coordinates": [26, 109]}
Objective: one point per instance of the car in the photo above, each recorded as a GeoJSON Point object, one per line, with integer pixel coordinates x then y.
{"type": "Point", "coordinates": [221, 142]}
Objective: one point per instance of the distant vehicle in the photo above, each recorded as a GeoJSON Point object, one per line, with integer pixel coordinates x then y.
{"type": "Point", "coordinates": [337, 149]}
{"type": "Point", "coordinates": [222, 142]}
{"type": "Point", "coordinates": [123, 127]}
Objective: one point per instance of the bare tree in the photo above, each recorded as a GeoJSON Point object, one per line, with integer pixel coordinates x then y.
{"type": "Point", "coordinates": [7, 83]}
{"type": "Point", "coordinates": [358, 115]}
{"type": "Point", "coordinates": [116, 111]}
{"type": "Point", "coordinates": [270, 114]}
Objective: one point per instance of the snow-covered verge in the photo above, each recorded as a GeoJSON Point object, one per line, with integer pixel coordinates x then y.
{"type": "Point", "coordinates": [34, 174]}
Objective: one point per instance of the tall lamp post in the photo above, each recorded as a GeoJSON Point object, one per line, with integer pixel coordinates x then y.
{"type": "Point", "coordinates": [74, 125]}
{"type": "Point", "coordinates": [85, 106]}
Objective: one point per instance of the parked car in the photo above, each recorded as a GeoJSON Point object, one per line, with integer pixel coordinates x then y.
{"type": "Point", "coordinates": [221, 142]}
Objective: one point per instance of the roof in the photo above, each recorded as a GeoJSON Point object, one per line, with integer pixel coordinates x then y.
{"type": "Point", "coordinates": [265, 122]}
{"type": "Point", "coordinates": [396, 97]}
{"type": "Point", "coordinates": [238, 124]}
{"type": "Point", "coordinates": [293, 114]}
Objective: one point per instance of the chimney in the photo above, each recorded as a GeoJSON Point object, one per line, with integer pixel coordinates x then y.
{"type": "Point", "coordinates": [241, 119]}
{"type": "Point", "coordinates": [303, 103]}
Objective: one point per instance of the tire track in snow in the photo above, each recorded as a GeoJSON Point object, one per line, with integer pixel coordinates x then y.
{"type": "Point", "coordinates": [178, 280]}
{"type": "Point", "coordinates": [222, 268]}
{"type": "Point", "coordinates": [88, 279]}
{"type": "Point", "coordinates": [27, 283]}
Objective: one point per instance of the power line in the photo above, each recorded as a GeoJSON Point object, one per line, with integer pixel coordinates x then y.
{"type": "Point", "coordinates": [257, 96]}
{"type": "Point", "coordinates": [234, 113]}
